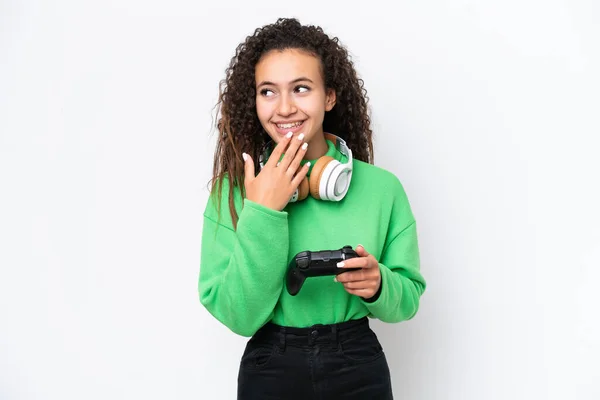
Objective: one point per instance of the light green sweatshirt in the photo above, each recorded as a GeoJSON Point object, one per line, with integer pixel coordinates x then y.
{"type": "Point", "coordinates": [242, 272]}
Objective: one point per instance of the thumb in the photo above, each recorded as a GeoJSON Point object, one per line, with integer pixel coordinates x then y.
{"type": "Point", "coordinates": [248, 167]}
{"type": "Point", "coordinates": [361, 251]}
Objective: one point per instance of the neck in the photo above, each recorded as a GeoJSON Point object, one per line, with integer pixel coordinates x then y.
{"type": "Point", "coordinates": [317, 147]}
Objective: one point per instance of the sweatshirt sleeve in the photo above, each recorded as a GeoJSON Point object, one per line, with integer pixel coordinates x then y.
{"type": "Point", "coordinates": [242, 271]}
{"type": "Point", "coordinates": [401, 281]}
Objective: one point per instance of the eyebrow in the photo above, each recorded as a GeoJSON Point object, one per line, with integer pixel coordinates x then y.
{"type": "Point", "coordinates": [301, 79]}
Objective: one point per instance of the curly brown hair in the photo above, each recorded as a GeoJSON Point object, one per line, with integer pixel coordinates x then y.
{"type": "Point", "coordinates": [239, 127]}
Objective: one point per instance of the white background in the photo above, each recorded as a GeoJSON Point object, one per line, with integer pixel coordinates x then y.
{"type": "Point", "coordinates": [487, 111]}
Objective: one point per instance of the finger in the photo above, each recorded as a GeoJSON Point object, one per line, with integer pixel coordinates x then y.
{"type": "Point", "coordinates": [291, 151]}
{"type": "Point", "coordinates": [366, 293]}
{"type": "Point", "coordinates": [248, 167]}
{"type": "Point", "coordinates": [356, 285]}
{"type": "Point", "coordinates": [350, 276]}
{"type": "Point", "coordinates": [300, 175]}
{"type": "Point", "coordinates": [278, 151]}
{"type": "Point", "coordinates": [361, 251]}
{"type": "Point", "coordinates": [357, 262]}
{"type": "Point", "coordinates": [293, 168]}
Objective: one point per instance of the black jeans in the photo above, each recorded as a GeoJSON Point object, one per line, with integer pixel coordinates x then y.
{"type": "Point", "coordinates": [324, 362]}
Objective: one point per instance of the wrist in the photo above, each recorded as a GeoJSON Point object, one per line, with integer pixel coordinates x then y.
{"type": "Point", "coordinates": [265, 203]}
{"type": "Point", "coordinates": [374, 298]}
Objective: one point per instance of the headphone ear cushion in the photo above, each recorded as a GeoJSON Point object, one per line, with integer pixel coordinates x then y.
{"type": "Point", "coordinates": [315, 175]}
{"type": "Point", "coordinates": [303, 189]}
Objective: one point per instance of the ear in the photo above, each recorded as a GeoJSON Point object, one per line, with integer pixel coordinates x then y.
{"type": "Point", "coordinates": [330, 99]}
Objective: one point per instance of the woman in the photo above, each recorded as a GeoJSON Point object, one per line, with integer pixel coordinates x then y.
{"type": "Point", "coordinates": [293, 172]}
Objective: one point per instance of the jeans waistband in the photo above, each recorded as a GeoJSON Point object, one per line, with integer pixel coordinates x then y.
{"type": "Point", "coordinates": [308, 336]}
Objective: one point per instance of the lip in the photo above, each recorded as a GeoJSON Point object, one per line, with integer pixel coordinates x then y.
{"type": "Point", "coordinates": [294, 130]}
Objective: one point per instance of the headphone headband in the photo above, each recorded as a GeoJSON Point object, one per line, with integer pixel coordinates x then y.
{"type": "Point", "coordinates": [337, 141]}
{"type": "Point", "coordinates": [341, 145]}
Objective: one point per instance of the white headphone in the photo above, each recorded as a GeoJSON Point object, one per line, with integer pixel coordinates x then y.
{"type": "Point", "coordinates": [329, 179]}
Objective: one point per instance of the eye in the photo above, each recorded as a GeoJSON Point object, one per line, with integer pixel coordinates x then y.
{"type": "Point", "coordinates": [302, 89]}
{"type": "Point", "coordinates": [266, 92]}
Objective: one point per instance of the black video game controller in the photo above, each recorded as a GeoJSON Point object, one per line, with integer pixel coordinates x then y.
{"type": "Point", "coordinates": [316, 263]}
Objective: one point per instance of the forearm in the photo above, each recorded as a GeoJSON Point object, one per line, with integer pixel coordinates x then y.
{"type": "Point", "coordinates": [398, 299]}
{"type": "Point", "coordinates": [401, 281]}
{"type": "Point", "coordinates": [242, 272]}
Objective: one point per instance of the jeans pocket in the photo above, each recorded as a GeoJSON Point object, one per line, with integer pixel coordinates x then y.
{"type": "Point", "coordinates": [257, 355]}
{"type": "Point", "coordinates": [364, 347]}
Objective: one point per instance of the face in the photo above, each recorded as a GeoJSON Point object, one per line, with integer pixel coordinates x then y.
{"type": "Point", "coordinates": [291, 96]}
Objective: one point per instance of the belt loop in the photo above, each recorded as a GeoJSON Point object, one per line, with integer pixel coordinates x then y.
{"type": "Point", "coordinates": [282, 339]}
{"type": "Point", "coordinates": [334, 337]}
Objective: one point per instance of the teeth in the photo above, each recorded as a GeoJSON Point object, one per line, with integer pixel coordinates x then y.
{"type": "Point", "coordinates": [287, 126]}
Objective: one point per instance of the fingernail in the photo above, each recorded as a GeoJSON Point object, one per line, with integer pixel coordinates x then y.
{"type": "Point", "coordinates": [304, 146]}
{"type": "Point", "coordinates": [308, 164]}
{"type": "Point", "coordinates": [340, 264]}
{"type": "Point", "coordinates": [335, 279]}
{"type": "Point", "coordinates": [245, 156]}
{"type": "Point", "coordinates": [289, 135]}
{"type": "Point", "coordinates": [301, 136]}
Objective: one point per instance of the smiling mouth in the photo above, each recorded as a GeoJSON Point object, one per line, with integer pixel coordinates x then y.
{"type": "Point", "coordinates": [290, 125]}
{"type": "Point", "coordinates": [293, 127]}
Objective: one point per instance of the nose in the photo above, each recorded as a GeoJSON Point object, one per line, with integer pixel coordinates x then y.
{"type": "Point", "coordinates": [286, 106]}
